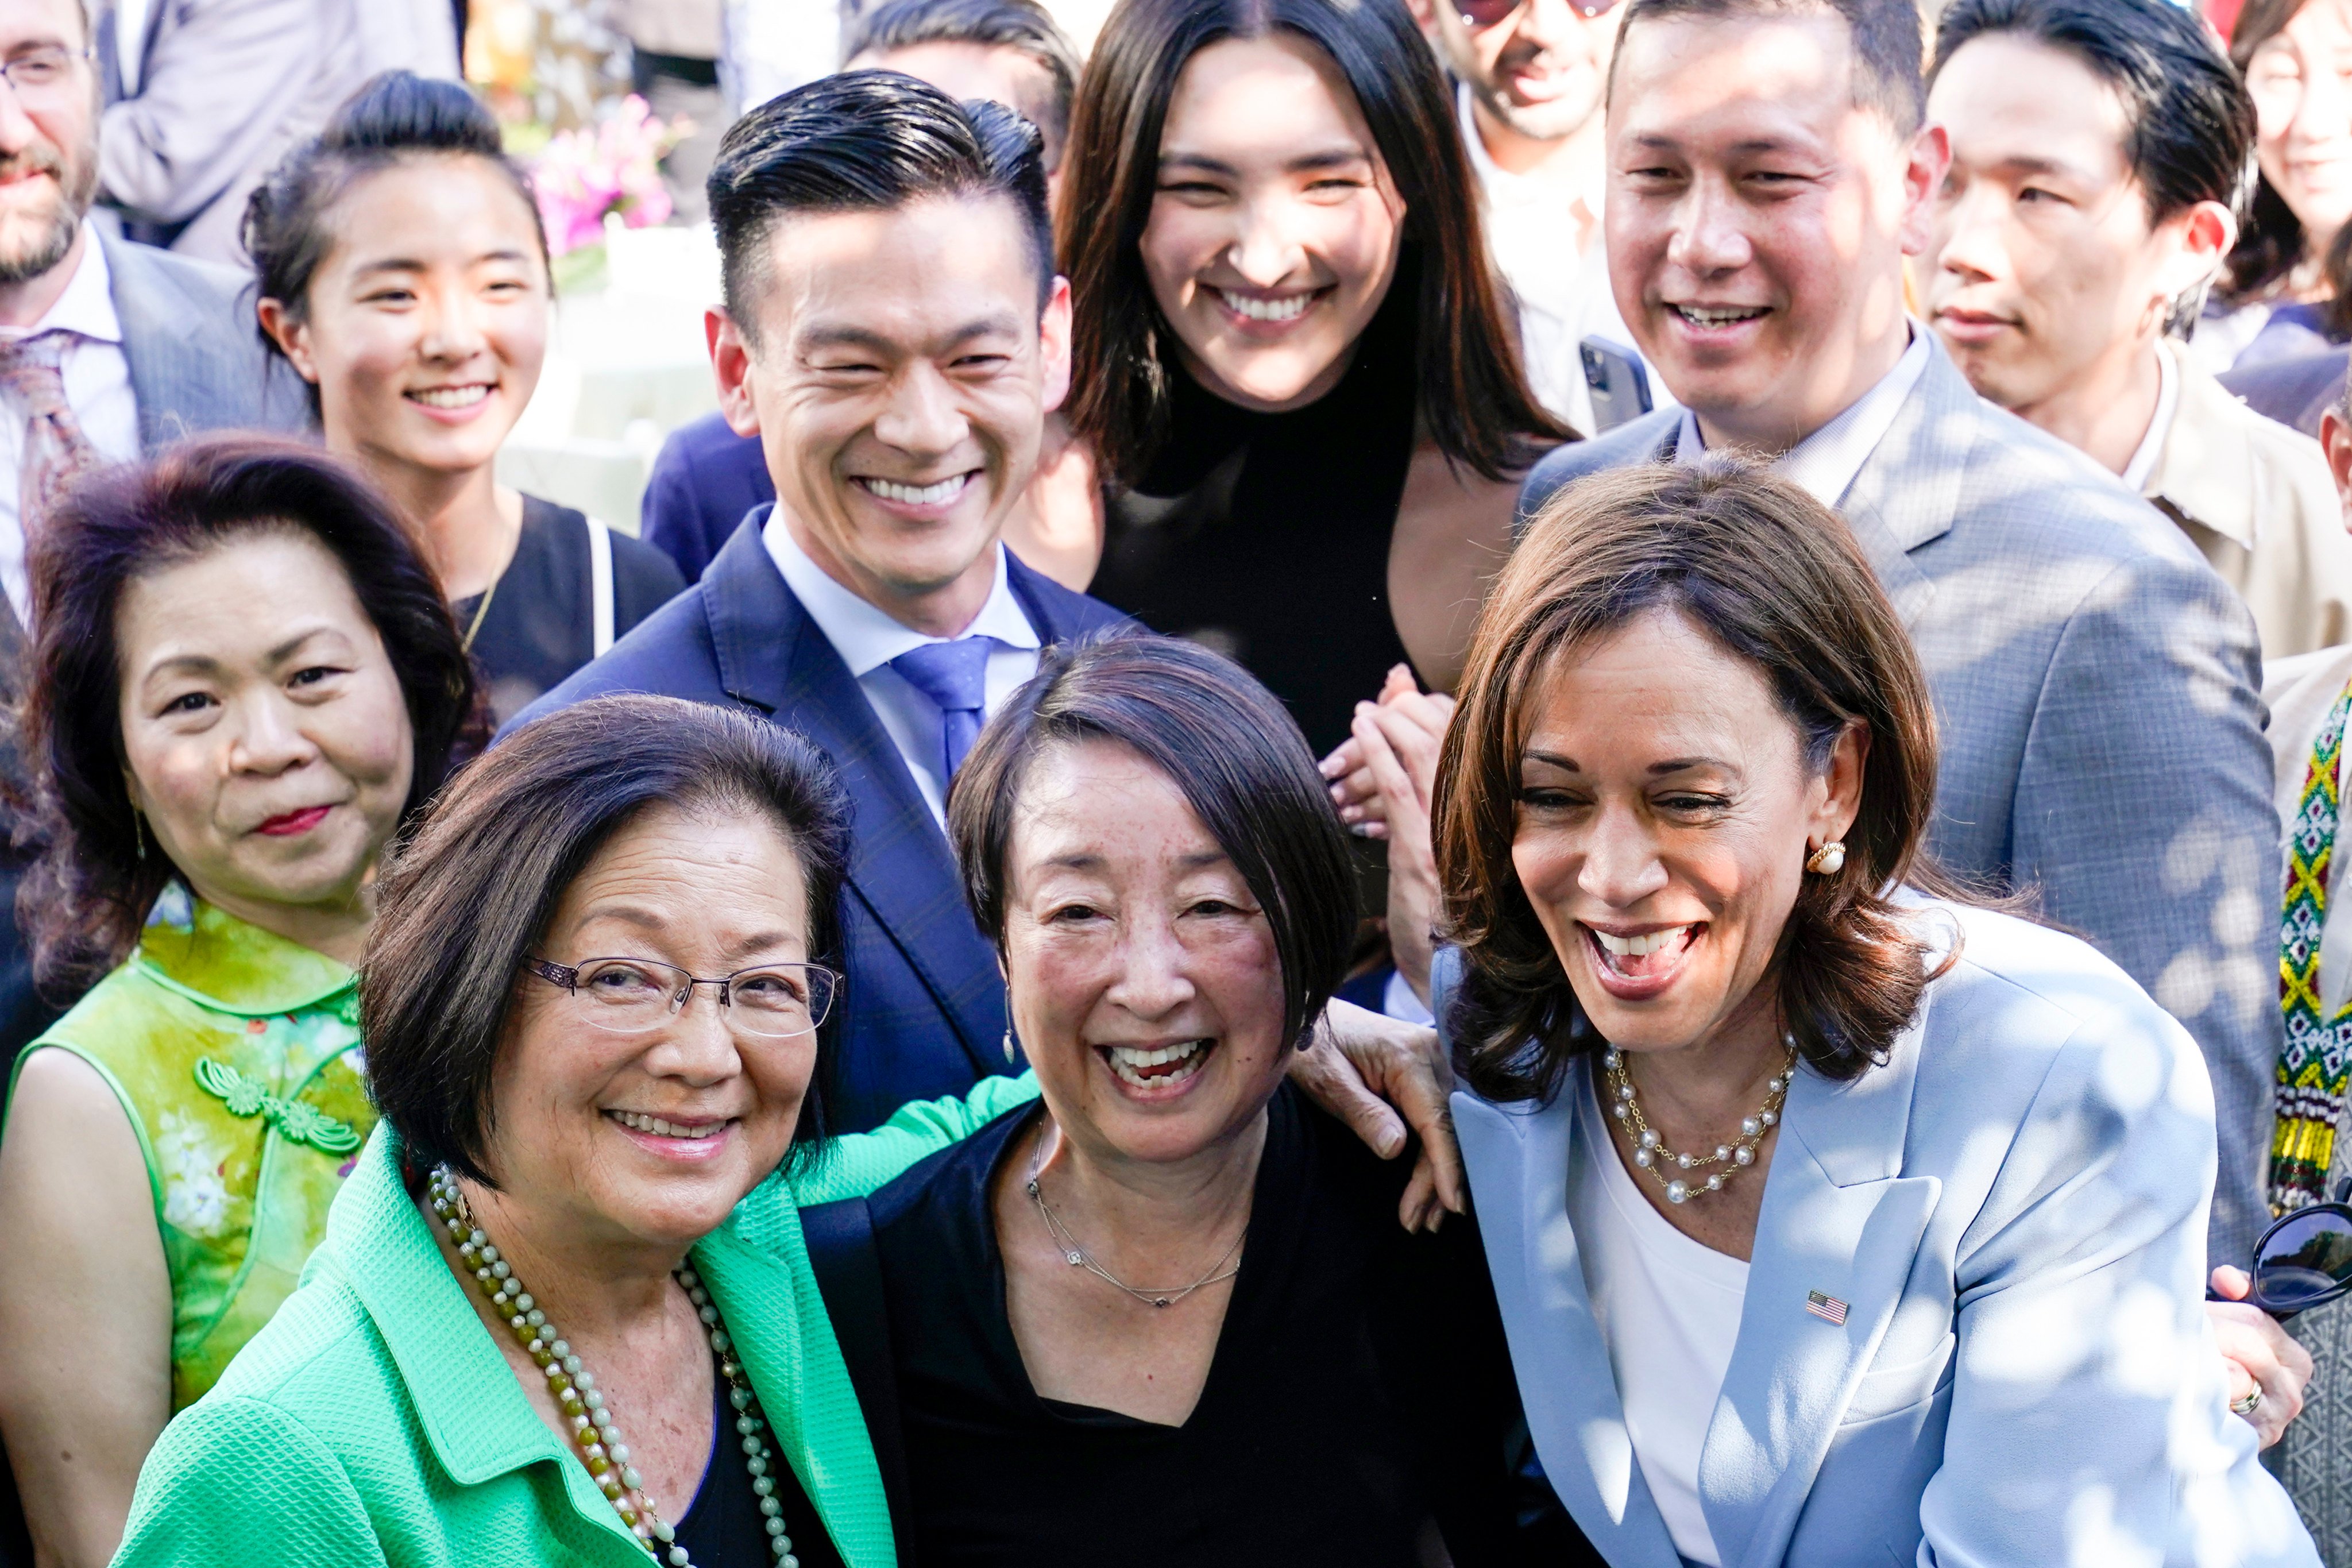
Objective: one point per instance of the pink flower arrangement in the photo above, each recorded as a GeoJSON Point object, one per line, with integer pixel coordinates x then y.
{"type": "Point", "coordinates": [612, 167]}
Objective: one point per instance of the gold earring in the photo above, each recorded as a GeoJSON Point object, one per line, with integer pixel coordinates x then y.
{"type": "Point", "coordinates": [1008, 1044]}
{"type": "Point", "coordinates": [139, 832]}
{"type": "Point", "coordinates": [1829, 859]}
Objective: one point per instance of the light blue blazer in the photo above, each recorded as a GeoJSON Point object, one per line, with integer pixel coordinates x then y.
{"type": "Point", "coordinates": [2012, 1210]}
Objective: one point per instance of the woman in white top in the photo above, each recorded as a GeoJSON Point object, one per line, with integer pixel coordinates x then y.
{"type": "Point", "coordinates": [1830, 1219]}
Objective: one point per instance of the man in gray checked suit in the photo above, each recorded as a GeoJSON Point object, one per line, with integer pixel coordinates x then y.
{"type": "Point", "coordinates": [2095, 683]}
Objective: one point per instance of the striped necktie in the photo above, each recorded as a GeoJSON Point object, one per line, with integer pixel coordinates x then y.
{"type": "Point", "coordinates": [56, 451]}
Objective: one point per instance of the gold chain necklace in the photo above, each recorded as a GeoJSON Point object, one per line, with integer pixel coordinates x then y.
{"type": "Point", "coordinates": [1650, 1150]}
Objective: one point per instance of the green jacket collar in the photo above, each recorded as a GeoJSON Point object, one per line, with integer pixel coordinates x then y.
{"type": "Point", "coordinates": [479, 1422]}
{"type": "Point", "coordinates": [220, 961]}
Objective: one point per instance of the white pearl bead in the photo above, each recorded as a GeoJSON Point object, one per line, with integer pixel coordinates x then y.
{"type": "Point", "coordinates": [1676, 1192]}
{"type": "Point", "coordinates": [1744, 1155]}
{"type": "Point", "coordinates": [1715, 1182]}
{"type": "Point", "coordinates": [1649, 1137]}
{"type": "Point", "coordinates": [1644, 1159]}
{"type": "Point", "coordinates": [1683, 1161]}
{"type": "Point", "coordinates": [1723, 1151]}
{"type": "Point", "coordinates": [1749, 1126]}
{"type": "Point", "coordinates": [1767, 1117]}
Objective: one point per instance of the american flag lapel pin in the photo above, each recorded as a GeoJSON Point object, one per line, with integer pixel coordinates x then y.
{"type": "Point", "coordinates": [1825, 1306]}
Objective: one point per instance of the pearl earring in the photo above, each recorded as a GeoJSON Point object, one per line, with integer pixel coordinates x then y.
{"type": "Point", "coordinates": [1829, 859]}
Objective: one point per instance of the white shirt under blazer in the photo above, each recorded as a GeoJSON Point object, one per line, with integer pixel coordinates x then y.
{"type": "Point", "coordinates": [2012, 1214]}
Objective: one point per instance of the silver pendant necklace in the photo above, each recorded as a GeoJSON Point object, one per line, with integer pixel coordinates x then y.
{"type": "Point", "coordinates": [1078, 1257]}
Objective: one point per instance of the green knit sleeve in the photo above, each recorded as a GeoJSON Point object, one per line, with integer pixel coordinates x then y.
{"type": "Point", "coordinates": [233, 1482]}
{"type": "Point", "coordinates": [856, 1163]}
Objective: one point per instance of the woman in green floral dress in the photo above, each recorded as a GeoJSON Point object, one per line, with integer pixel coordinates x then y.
{"type": "Point", "coordinates": [245, 679]}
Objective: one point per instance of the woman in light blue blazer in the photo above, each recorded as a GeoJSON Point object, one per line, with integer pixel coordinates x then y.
{"type": "Point", "coordinates": [1889, 1245]}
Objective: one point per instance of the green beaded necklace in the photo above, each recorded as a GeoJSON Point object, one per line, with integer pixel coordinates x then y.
{"type": "Point", "coordinates": [593, 1431]}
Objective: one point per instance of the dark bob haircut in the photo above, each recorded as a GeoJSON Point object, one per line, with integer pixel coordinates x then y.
{"type": "Point", "coordinates": [1473, 400]}
{"type": "Point", "coordinates": [2190, 135]}
{"type": "Point", "coordinates": [85, 901]}
{"type": "Point", "coordinates": [394, 118]}
{"type": "Point", "coordinates": [1231, 749]}
{"type": "Point", "coordinates": [1889, 47]}
{"type": "Point", "coordinates": [1775, 580]}
{"type": "Point", "coordinates": [1021, 25]}
{"type": "Point", "coordinates": [466, 899]}
{"type": "Point", "coordinates": [865, 141]}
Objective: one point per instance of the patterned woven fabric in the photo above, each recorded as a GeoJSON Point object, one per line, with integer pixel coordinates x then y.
{"type": "Point", "coordinates": [2317, 1058]}
{"type": "Point", "coordinates": [55, 451]}
{"type": "Point", "coordinates": [2313, 1460]}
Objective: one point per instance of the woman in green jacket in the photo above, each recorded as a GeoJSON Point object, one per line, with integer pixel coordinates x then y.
{"type": "Point", "coordinates": [245, 679]}
{"type": "Point", "coordinates": [563, 1312]}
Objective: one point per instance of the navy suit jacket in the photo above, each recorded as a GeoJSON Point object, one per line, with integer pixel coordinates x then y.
{"type": "Point", "coordinates": [705, 477]}
{"type": "Point", "coordinates": [924, 1007]}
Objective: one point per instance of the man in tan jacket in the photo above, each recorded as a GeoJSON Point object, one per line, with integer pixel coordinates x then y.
{"type": "Point", "coordinates": [2096, 150]}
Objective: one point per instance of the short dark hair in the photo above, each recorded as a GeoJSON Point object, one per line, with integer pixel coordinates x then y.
{"type": "Point", "coordinates": [1021, 25]}
{"type": "Point", "coordinates": [1775, 579]}
{"type": "Point", "coordinates": [454, 923]}
{"type": "Point", "coordinates": [1227, 745]}
{"type": "Point", "coordinates": [2190, 135]}
{"type": "Point", "coordinates": [396, 117]}
{"type": "Point", "coordinates": [867, 141]}
{"type": "Point", "coordinates": [1889, 47]}
{"type": "Point", "coordinates": [85, 899]}
{"type": "Point", "coordinates": [1474, 398]}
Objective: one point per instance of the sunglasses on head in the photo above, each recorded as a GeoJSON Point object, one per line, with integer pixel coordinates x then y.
{"type": "Point", "coordinates": [1480, 14]}
{"type": "Point", "coordinates": [2305, 1260]}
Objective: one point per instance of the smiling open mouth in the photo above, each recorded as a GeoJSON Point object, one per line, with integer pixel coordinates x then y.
{"type": "Point", "coordinates": [1648, 955]}
{"type": "Point", "coordinates": [1718, 315]}
{"type": "Point", "coordinates": [1161, 1068]}
{"type": "Point", "coordinates": [637, 1121]}
{"type": "Point", "coordinates": [451, 397]}
{"type": "Point", "coordinates": [938, 494]}
{"type": "Point", "coordinates": [1288, 308]}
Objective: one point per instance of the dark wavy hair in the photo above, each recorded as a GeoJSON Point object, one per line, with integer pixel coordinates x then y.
{"type": "Point", "coordinates": [85, 899]}
{"type": "Point", "coordinates": [396, 117]}
{"type": "Point", "coordinates": [455, 922]}
{"type": "Point", "coordinates": [1777, 580]}
{"type": "Point", "coordinates": [1474, 400]}
{"type": "Point", "coordinates": [1232, 750]}
{"type": "Point", "coordinates": [2271, 243]}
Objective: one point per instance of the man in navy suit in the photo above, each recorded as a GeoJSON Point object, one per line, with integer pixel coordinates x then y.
{"type": "Point", "coordinates": [894, 335]}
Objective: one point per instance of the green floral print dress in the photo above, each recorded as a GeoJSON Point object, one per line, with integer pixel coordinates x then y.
{"type": "Point", "coordinates": [237, 1055]}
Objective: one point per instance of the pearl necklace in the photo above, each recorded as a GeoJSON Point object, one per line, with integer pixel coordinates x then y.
{"type": "Point", "coordinates": [573, 1387]}
{"type": "Point", "coordinates": [1651, 1152]}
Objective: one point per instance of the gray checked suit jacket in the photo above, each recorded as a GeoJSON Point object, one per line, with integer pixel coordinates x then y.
{"type": "Point", "coordinates": [2096, 691]}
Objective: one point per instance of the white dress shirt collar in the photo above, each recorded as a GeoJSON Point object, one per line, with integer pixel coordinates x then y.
{"type": "Point", "coordinates": [1824, 464]}
{"type": "Point", "coordinates": [866, 636]}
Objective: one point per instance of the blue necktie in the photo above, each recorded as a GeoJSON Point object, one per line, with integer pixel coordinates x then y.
{"type": "Point", "coordinates": [954, 675]}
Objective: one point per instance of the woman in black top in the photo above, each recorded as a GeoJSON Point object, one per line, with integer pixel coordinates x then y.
{"type": "Point", "coordinates": [1288, 352]}
{"type": "Point", "coordinates": [403, 274]}
{"type": "Point", "coordinates": [1168, 1315]}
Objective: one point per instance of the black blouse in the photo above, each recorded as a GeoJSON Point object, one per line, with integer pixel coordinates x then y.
{"type": "Point", "coordinates": [1266, 536]}
{"type": "Point", "coordinates": [1359, 1392]}
{"type": "Point", "coordinates": [723, 1527]}
{"type": "Point", "coordinates": [540, 625]}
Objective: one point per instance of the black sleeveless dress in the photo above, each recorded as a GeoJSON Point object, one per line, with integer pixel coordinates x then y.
{"type": "Point", "coordinates": [1265, 536]}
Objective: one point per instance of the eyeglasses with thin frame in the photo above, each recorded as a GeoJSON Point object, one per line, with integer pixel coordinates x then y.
{"type": "Point", "coordinates": [631, 995]}
{"type": "Point", "coordinates": [1479, 15]}
{"type": "Point", "coordinates": [44, 72]}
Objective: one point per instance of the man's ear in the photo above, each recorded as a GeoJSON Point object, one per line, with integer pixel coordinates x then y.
{"type": "Point", "coordinates": [2335, 440]}
{"type": "Point", "coordinates": [1054, 347]}
{"type": "Point", "coordinates": [292, 338]}
{"type": "Point", "coordinates": [1925, 163]}
{"type": "Point", "coordinates": [2209, 231]}
{"type": "Point", "coordinates": [731, 363]}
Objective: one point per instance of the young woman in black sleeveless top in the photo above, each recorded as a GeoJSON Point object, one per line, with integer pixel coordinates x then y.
{"type": "Point", "coordinates": [1289, 349]}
